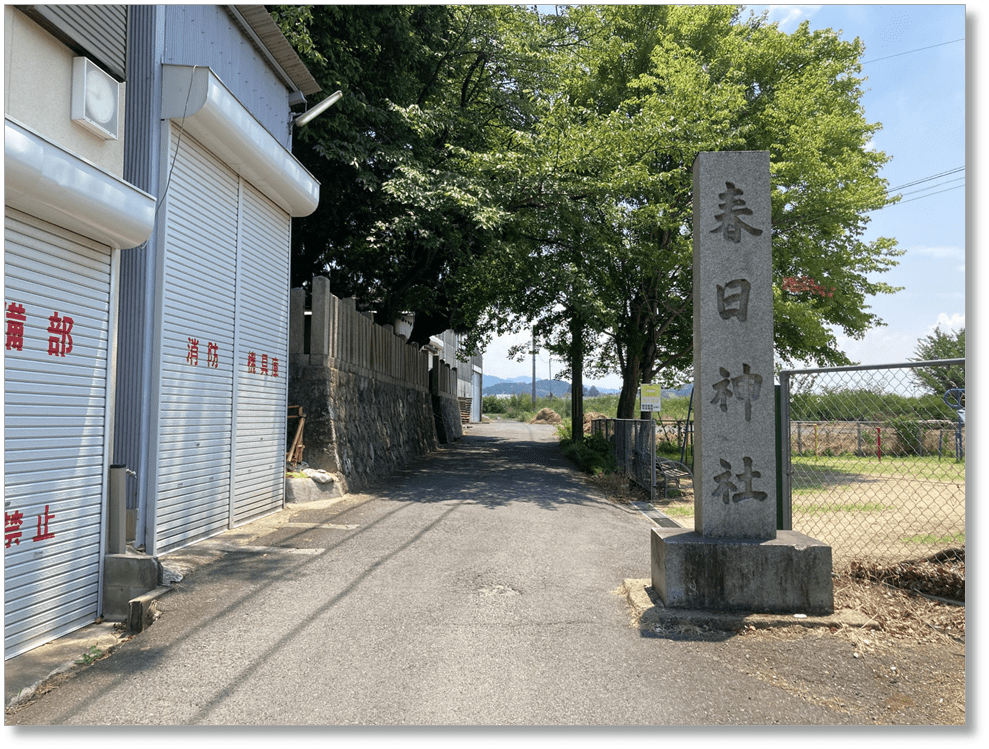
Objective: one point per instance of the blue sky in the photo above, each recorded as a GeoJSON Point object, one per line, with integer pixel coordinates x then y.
{"type": "Point", "coordinates": [915, 67]}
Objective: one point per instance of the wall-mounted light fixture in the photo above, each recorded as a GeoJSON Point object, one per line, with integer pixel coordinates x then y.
{"type": "Point", "coordinates": [311, 114]}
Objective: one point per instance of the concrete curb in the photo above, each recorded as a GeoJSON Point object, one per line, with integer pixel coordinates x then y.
{"type": "Point", "coordinates": [655, 515]}
{"type": "Point", "coordinates": [61, 656]}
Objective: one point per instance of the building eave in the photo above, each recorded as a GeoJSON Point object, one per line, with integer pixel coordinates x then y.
{"type": "Point", "coordinates": [271, 42]}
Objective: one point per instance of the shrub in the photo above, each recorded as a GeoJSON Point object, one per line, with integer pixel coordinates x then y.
{"type": "Point", "coordinates": [492, 404]}
{"type": "Point", "coordinates": [910, 434]}
{"type": "Point", "coordinates": [593, 455]}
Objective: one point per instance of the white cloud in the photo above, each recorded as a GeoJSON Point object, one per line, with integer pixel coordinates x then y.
{"type": "Point", "coordinates": [947, 322]}
{"type": "Point", "coordinates": [941, 253]}
{"type": "Point", "coordinates": [879, 346]}
{"type": "Point", "coordinates": [788, 17]}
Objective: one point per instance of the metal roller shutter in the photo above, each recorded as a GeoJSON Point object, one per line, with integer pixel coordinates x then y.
{"type": "Point", "coordinates": [197, 348]}
{"type": "Point", "coordinates": [224, 368]}
{"type": "Point", "coordinates": [262, 356]}
{"type": "Point", "coordinates": [57, 288]}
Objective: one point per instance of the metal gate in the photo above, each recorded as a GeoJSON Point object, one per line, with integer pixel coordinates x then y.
{"type": "Point", "coordinates": [57, 299]}
{"type": "Point", "coordinates": [634, 442]}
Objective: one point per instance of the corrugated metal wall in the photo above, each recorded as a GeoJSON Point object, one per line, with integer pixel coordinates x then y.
{"type": "Point", "coordinates": [137, 267]}
{"type": "Point", "coordinates": [189, 35]}
{"type": "Point", "coordinates": [206, 35]}
{"type": "Point", "coordinates": [97, 31]}
{"type": "Point", "coordinates": [57, 290]}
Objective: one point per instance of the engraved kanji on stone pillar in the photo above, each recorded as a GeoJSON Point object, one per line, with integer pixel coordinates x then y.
{"type": "Point", "coordinates": [735, 455]}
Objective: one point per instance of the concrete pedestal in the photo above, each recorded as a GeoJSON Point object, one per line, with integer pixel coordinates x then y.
{"type": "Point", "coordinates": [127, 576]}
{"type": "Point", "coordinates": [788, 574]}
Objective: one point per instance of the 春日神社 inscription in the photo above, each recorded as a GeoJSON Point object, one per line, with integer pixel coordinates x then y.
{"type": "Point", "coordinates": [733, 345]}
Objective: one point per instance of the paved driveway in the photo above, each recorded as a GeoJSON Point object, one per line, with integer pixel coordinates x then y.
{"type": "Point", "coordinates": [477, 586]}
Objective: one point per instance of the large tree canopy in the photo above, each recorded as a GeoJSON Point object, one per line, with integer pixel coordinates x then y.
{"type": "Point", "coordinates": [492, 168]}
{"type": "Point", "coordinates": [400, 216]}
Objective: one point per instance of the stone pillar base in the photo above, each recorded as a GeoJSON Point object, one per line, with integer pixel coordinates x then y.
{"type": "Point", "coordinates": [790, 574]}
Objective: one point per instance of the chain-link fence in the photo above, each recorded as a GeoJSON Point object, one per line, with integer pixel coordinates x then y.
{"type": "Point", "coordinates": [875, 461]}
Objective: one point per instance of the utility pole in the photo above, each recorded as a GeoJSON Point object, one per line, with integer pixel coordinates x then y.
{"type": "Point", "coordinates": [533, 369]}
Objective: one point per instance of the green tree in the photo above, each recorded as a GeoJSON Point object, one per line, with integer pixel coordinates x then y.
{"type": "Point", "coordinates": [400, 218]}
{"type": "Point", "coordinates": [698, 78]}
{"type": "Point", "coordinates": [936, 346]}
{"type": "Point", "coordinates": [493, 168]}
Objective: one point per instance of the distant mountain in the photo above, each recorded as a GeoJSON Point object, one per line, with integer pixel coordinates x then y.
{"type": "Point", "coordinates": [523, 386]}
{"type": "Point", "coordinates": [492, 380]}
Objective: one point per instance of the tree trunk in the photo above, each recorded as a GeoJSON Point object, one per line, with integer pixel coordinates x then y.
{"type": "Point", "coordinates": [577, 372]}
{"type": "Point", "coordinates": [630, 386]}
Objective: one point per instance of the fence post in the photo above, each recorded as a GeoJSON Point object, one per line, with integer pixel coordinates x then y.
{"type": "Point", "coordinates": [652, 460]}
{"type": "Point", "coordinates": [319, 333]}
{"type": "Point", "coordinates": [784, 507]}
{"type": "Point", "coordinates": [297, 321]}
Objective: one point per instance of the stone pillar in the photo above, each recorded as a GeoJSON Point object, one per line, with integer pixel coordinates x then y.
{"type": "Point", "coordinates": [297, 322]}
{"type": "Point", "coordinates": [735, 559]}
{"type": "Point", "coordinates": [735, 421]}
{"type": "Point", "coordinates": [319, 335]}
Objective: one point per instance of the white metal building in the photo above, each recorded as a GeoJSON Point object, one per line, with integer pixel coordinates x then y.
{"type": "Point", "coordinates": [67, 216]}
{"type": "Point", "coordinates": [203, 398]}
{"type": "Point", "coordinates": [165, 129]}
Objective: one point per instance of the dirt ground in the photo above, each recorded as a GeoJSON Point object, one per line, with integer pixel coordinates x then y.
{"type": "Point", "coordinates": [905, 667]}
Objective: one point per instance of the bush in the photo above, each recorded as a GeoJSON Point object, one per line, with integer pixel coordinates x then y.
{"type": "Point", "coordinates": [910, 433]}
{"type": "Point", "coordinates": [492, 404]}
{"type": "Point", "coordinates": [593, 455]}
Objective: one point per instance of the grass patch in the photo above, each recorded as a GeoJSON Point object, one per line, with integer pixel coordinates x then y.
{"type": "Point", "coordinates": [90, 656]}
{"type": "Point", "coordinates": [951, 538]}
{"type": "Point", "coordinates": [517, 406]}
{"type": "Point", "coordinates": [855, 507]}
{"type": "Point", "coordinates": [911, 467]}
{"type": "Point", "coordinates": [678, 511]}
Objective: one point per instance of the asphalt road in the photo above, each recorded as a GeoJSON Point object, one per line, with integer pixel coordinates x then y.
{"type": "Point", "coordinates": [477, 587]}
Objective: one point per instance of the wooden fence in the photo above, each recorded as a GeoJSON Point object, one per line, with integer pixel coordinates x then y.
{"type": "Point", "coordinates": [337, 335]}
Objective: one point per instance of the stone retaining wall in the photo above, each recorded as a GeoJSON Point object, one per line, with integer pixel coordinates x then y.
{"type": "Point", "coordinates": [358, 426]}
{"type": "Point", "coordinates": [371, 400]}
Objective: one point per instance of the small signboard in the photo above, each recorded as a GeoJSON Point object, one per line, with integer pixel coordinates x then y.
{"type": "Point", "coordinates": [650, 397]}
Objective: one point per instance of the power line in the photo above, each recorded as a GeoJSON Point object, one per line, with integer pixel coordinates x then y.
{"type": "Point", "coordinates": [927, 179]}
{"type": "Point", "coordinates": [930, 187]}
{"type": "Point", "coordinates": [919, 197]}
{"type": "Point", "coordinates": [911, 51]}
{"type": "Point", "coordinates": [921, 181]}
